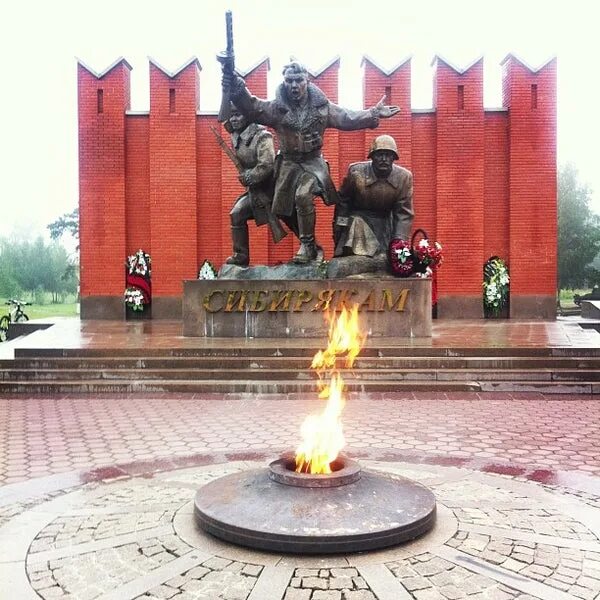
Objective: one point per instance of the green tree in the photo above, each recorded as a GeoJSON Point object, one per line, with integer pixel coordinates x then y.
{"type": "Point", "coordinates": [67, 223]}
{"type": "Point", "coordinates": [36, 268]}
{"type": "Point", "coordinates": [578, 231]}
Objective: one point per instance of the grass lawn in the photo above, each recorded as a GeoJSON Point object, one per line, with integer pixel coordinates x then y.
{"type": "Point", "coordinates": [43, 311]}
{"type": "Point", "coordinates": [566, 297]}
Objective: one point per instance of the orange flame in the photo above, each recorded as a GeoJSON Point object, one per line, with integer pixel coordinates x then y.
{"type": "Point", "coordinates": [322, 435]}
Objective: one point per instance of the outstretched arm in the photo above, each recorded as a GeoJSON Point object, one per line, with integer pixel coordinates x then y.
{"type": "Point", "coordinates": [349, 120]}
{"type": "Point", "coordinates": [383, 111]}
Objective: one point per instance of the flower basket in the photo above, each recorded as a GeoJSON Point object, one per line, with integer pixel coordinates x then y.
{"type": "Point", "coordinates": [415, 258]}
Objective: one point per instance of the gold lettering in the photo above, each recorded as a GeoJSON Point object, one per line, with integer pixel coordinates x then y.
{"type": "Point", "coordinates": [368, 303]}
{"type": "Point", "coordinates": [206, 302]}
{"type": "Point", "coordinates": [345, 300]}
{"type": "Point", "coordinates": [279, 297]}
{"type": "Point", "coordinates": [233, 299]}
{"type": "Point", "coordinates": [303, 297]}
{"type": "Point", "coordinates": [388, 300]}
{"type": "Point", "coordinates": [259, 304]}
{"type": "Point", "coordinates": [325, 297]}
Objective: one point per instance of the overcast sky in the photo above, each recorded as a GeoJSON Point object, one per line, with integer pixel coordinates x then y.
{"type": "Point", "coordinates": [40, 41]}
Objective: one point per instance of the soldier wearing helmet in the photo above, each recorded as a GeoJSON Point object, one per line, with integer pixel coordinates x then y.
{"type": "Point", "coordinates": [375, 203]}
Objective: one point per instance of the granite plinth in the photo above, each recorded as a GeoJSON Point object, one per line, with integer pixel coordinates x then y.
{"type": "Point", "coordinates": [376, 511]}
{"type": "Point", "coordinates": [288, 308]}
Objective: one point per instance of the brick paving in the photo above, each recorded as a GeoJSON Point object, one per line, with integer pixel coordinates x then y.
{"type": "Point", "coordinates": [47, 435]}
{"type": "Point", "coordinates": [95, 490]}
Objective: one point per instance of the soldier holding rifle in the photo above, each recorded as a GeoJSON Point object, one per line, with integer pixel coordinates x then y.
{"type": "Point", "coordinates": [299, 114]}
{"type": "Point", "coordinates": [254, 158]}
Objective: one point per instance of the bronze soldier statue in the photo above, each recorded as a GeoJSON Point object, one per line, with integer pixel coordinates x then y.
{"type": "Point", "coordinates": [254, 157]}
{"type": "Point", "coordinates": [300, 114]}
{"type": "Point", "coordinates": [376, 203]}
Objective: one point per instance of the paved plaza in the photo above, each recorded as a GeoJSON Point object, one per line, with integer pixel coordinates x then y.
{"type": "Point", "coordinates": [97, 490]}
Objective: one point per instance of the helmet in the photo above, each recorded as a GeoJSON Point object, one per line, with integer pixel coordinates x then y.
{"type": "Point", "coordinates": [384, 142]}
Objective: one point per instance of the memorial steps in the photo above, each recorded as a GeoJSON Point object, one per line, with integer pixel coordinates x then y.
{"type": "Point", "coordinates": [260, 368]}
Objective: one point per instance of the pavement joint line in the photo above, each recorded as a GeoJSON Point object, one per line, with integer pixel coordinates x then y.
{"type": "Point", "coordinates": [95, 546]}
{"type": "Point", "coordinates": [272, 583]}
{"type": "Point", "coordinates": [26, 490]}
{"type": "Point", "coordinates": [146, 582]}
{"type": "Point", "coordinates": [124, 510]}
{"type": "Point", "coordinates": [524, 536]}
{"type": "Point", "coordinates": [383, 583]}
{"type": "Point", "coordinates": [504, 576]}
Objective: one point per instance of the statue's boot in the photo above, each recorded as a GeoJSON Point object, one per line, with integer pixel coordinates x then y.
{"type": "Point", "coordinates": [241, 246]}
{"type": "Point", "coordinates": [306, 228]}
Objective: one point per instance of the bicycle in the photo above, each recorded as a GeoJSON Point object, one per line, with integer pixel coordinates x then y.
{"type": "Point", "coordinates": [16, 314]}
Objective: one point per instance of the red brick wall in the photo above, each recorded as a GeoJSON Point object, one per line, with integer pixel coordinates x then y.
{"type": "Point", "coordinates": [102, 179]}
{"type": "Point", "coordinates": [137, 184]}
{"type": "Point", "coordinates": [174, 101]}
{"type": "Point", "coordinates": [496, 225]}
{"type": "Point", "coordinates": [485, 181]}
{"type": "Point", "coordinates": [424, 173]}
{"type": "Point", "coordinates": [395, 86]}
{"type": "Point", "coordinates": [458, 98]}
{"type": "Point", "coordinates": [532, 176]}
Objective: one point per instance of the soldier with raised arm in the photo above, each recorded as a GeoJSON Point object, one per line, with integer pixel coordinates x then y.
{"type": "Point", "coordinates": [300, 114]}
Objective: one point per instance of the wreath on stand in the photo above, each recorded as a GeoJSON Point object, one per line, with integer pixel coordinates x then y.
{"type": "Point", "coordinates": [496, 282]}
{"type": "Point", "coordinates": [138, 291]}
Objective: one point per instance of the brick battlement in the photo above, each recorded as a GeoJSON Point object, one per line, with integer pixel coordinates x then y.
{"type": "Point", "coordinates": [485, 179]}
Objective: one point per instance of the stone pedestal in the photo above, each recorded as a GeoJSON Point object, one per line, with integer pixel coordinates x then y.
{"type": "Point", "coordinates": [288, 308]}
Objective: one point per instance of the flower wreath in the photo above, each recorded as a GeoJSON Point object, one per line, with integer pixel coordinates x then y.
{"type": "Point", "coordinates": [138, 292]}
{"type": "Point", "coordinates": [496, 282]}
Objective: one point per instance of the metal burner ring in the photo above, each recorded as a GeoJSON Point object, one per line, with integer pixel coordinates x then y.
{"type": "Point", "coordinates": [344, 472]}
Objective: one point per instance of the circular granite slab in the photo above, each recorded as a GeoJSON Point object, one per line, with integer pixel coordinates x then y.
{"type": "Point", "coordinates": [376, 511]}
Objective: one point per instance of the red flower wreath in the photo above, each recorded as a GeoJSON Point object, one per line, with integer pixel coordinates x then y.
{"type": "Point", "coordinates": [401, 258]}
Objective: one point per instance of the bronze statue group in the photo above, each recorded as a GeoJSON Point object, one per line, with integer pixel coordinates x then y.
{"type": "Point", "coordinates": [374, 203]}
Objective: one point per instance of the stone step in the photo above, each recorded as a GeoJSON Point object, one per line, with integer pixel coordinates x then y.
{"type": "Point", "coordinates": [261, 374]}
{"type": "Point", "coordinates": [302, 363]}
{"type": "Point", "coordinates": [285, 387]}
{"type": "Point", "coordinates": [304, 348]}
{"type": "Point", "coordinates": [96, 386]}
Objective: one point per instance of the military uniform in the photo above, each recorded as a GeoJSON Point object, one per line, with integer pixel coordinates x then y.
{"type": "Point", "coordinates": [254, 149]}
{"type": "Point", "coordinates": [372, 210]}
{"type": "Point", "coordinates": [301, 172]}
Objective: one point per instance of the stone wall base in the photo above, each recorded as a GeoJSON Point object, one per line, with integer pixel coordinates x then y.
{"type": "Point", "coordinates": [533, 307]}
{"type": "Point", "coordinates": [102, 307]}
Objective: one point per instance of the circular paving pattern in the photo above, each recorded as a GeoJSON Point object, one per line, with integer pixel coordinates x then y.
{"type": "Point", "coordinates": [496, 538]}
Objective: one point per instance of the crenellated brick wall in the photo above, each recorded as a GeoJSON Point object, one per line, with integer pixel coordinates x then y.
{"type": "Point", "coordinates": [485, 180]}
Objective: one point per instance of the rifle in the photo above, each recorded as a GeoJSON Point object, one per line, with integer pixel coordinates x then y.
{"type": "Point", "coordinates": [227, 60]}
{"type": "Point", "coordinates": [277, 231]}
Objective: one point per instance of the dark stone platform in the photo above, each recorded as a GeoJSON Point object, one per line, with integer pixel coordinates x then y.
{"type": "Point", "coordinates": [377, 511]}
